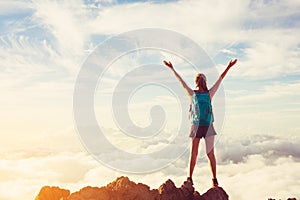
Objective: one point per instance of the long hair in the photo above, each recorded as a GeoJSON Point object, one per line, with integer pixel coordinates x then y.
{"type": "Point", "coordinates": [200, 81]}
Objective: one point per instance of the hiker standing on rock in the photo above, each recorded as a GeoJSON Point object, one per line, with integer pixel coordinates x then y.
{"type": "Point", "coordinates": [202, 117]}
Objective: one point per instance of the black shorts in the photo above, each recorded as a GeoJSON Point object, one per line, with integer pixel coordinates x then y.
{"type": "Point", "coordinates": [202, 131]}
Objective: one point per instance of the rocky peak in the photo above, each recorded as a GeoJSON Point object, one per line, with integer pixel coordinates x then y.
{"type": "Point", "coordinates": [48, 192]}
{"type": "Point", "coordinates": [124, 189]}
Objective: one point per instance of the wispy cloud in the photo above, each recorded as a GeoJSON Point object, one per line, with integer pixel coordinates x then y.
{"type": "Point", "coordinates": [14, 7]}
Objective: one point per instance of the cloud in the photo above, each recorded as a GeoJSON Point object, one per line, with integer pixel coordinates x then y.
{"type": "Point", "coordinates": [272, 13]}
{"type": "Point", "coordinates": [14, 7]}
{"type": "Point", "coordinates": [70, 27]}
{"type": "Point", "coordinates": [26, 176]}
{"type": "Point", "coordinates": [25, 58]}
{"type": "Point", "coordinates": [270, 106]}
{"type": "Point", "coordinates": [66, 40]}
{"type": "Point", "coordinates": [140, 15]}
{"type": "Point", "coordinates": [270, 147]}
{"type": "Point", "coordinates": [242, 176]}
{"type": "Point", "coordinates": [76, 170]}
{"type": "Point", "coordinates": [65, 21]}
{"type": "Point", "coordinates": [269, 57]}
{"type": "Point", "coordinates": [277, 55]}
{"type": "Point", "coordinates": [283, 92]}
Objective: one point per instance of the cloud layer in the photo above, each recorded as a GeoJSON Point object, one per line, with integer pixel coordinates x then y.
{"type": "Point", "coordinates": [239, 161]}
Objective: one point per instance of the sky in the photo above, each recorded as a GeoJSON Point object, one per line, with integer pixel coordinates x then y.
{"type": "Point", "coordinates": [44, 45]}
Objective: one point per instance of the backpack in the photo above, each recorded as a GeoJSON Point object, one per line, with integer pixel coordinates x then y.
{"type": "Point", "coordinates": [201, 109]}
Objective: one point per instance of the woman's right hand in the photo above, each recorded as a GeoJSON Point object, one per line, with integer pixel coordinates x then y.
{"type": "Point", "coordinates": [168, 64]}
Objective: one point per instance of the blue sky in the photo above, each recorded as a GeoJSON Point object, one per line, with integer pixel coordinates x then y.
{"type": "Point", "coordinates": [43, 45]}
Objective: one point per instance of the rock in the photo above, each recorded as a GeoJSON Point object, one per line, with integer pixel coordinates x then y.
{"type": "Point", "coordinates": [168, 191]}
{"type": "Point", "coordinates": [188, 190]}
{"type": "Point", "coordinates": [52, 193]}
{"type": "Point", "coordinates": [89, 192]}
{"type": "Point", "coordinates": [215, 193]}
{"type": "Point", "coordinates": [124, 189]}
{"type": "Point", "coordinates": [120, 189]}
{"type": "Point", "coordinates": [197, 196]}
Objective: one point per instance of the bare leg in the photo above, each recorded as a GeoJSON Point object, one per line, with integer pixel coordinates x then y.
{"type": "Point", "coordinates": [194, 154]}
{"type": "Point", "coordinates": [209, 142]}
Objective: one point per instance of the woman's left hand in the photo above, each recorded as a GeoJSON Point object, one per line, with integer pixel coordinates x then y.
{"type": "Point", "coordinates": [232, 62]}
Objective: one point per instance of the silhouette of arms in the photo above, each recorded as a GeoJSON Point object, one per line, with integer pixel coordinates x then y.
{"type": "Point", "coordinates": [188, 90]}
{"type": "Point", "coordinates": [215, 87]}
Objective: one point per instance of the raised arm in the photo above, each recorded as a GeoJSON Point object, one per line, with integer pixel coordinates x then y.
{"type": "Point", "coordinates": [188, 90]}
{"type": "Point", "coordinates": [215, 87]}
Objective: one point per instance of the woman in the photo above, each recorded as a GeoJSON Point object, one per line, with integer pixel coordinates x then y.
{"type": "Point", "coordinates": [202, 124]}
